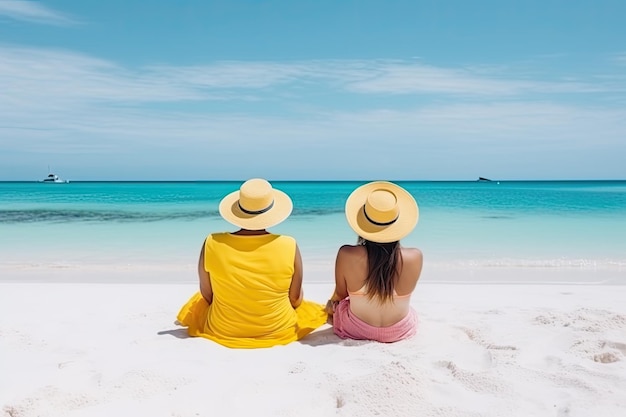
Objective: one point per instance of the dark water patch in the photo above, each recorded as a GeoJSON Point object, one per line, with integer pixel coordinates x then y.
{"type": "Point", "coordinates": [72, 216]}
{"type": "Point", "coordinates": [123, 216]}
{"type": "Point", "coordinates": [317, 211]}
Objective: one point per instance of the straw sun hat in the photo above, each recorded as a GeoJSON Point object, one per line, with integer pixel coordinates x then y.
{"type": "Point", "coordinates": [256, 205]}
{"type": "Point", "coordinates": [382, 212]}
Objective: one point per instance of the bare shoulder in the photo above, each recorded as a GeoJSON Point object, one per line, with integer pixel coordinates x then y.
{"type": "Point", "coordinates": [349, 256]}
{"type": "Point", "coordinates": [412, 259]}
{"type": "Point", "coordinates": [413, 254]}
{"type": "Point", "coordinates": [351, 250]}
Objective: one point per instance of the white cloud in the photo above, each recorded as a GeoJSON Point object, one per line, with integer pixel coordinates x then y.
{"type": "Point", "coordinates": [41, 76]}
{"type": "Point", "coordinates": [374, 76]}
{"type": "Point", "coordinates": [92, 110]}
{"type": "Point", "coordinates": [496, 124]}
{"type": "Point", "coordinates": [621, 58]}
{"type": "Point", "coordinates": [403, 78]}
{"type": "Point", "coordinates": [32, 11]}
{"type": "Point", "coordinates": [231, 75]}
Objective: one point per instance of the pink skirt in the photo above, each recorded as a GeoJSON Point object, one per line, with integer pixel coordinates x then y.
{"type": "Point", "coordinates": [347, 326]}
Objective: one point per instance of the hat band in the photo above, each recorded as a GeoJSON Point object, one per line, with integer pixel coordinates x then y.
{"type": "Point", "coordinates": [266, 209]}
{"type": "Point", "coordinates": [374, 222]}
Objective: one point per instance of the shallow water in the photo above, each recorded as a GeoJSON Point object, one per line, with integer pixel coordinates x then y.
{"type": "Point", "coordinates": [548, 225]}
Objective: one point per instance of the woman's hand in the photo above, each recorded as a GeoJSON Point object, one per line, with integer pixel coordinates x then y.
{"type": "Point", "coordinates": [330, 307]}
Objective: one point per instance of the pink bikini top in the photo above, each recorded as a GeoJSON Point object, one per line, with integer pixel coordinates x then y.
{"type": "Point", "coordinates": [363, 293]}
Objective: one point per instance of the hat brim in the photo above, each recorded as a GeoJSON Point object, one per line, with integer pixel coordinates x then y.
{"type": "Point", "coordinates": [406, 222]}
{"type": "Point", "coordinates": [232, 213]}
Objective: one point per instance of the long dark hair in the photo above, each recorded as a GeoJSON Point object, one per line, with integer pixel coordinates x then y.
{"type": "Point", "coordinates": [384, 262]}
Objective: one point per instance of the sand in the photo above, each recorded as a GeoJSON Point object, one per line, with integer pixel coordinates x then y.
{"type": "Point", "coordinates": [96, 349]}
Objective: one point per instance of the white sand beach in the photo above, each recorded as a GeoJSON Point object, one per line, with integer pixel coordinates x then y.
{"type": "Point", "coordinates": [95, 349]}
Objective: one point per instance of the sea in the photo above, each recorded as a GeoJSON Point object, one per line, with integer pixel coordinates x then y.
{"type": "Point", "coordinates": [469, 231]}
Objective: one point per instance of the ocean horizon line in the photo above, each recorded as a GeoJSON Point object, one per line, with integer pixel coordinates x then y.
{"type": "Point", "coordinates": [324, 181]}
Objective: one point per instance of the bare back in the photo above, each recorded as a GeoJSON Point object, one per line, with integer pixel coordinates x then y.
{"type": "Point", "coordinates": [351, 270]}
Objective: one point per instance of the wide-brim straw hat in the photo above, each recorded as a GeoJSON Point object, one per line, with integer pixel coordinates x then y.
{"type": "Point", "coordinates": [256, 206]}
{"type": "Point", "coordinates": [382, 212]}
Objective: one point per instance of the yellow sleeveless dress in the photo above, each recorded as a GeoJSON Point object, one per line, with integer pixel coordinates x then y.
{"type": "Point", "coordinates": [250, 278]}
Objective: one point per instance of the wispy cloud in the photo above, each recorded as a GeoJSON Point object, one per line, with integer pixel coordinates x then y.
{"type": "Point", "coordinates": [412, 78]}
{"type": "Point", "coordinates": [621, 58]}
{"type": "Point", "coordinates": [54, 88]}
{"type": "Point", "coordinates": [42, 75]}
{"type": "Point", "coordinates": [419, 142]}
{"type": "Point", "coordinates": [65, 103]}
{"type": "Point", "coordinates": [32, 11]}
{"type": "Point", "coordinates": [373, 76]}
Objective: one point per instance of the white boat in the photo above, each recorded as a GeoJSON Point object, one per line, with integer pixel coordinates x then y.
{"type": "Point", "coordinates": [54, 179]}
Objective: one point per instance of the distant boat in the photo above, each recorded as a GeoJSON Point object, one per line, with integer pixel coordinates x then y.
{"type": "Point", "coordinates": [483, 179]}
{"type": "Point", "coordinates": [54, 179]}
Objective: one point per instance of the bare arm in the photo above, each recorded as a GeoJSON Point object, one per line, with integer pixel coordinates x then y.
{"type": "Point", "coordinates": [341, 288]}
{"type": "Point", "coordinates": [205, 279]}
{"type": "Point", "coordinates": [295, 290]}
{"type": "Point", "coordinates": [412, 261]}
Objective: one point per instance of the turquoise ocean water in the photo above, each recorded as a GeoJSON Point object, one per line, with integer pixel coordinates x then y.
{"type": "Point", "coordinates": [466, 230]}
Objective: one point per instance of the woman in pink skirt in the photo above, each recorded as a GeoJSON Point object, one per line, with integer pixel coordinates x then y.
{"type": "Point", "coordinates": [374, 279]}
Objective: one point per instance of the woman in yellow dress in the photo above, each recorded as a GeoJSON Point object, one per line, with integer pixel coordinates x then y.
{"type": "Point", "coordinates": [251, 280]}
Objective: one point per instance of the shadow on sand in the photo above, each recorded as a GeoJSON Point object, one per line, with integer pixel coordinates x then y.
{"type": "Point", "coordinates": [321, 338]}
{"type": "Point", "coordinates": [178, 333]}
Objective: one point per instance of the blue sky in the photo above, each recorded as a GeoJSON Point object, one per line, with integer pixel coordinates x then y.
{"type": "Point", "coordinates": [204, 90]}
